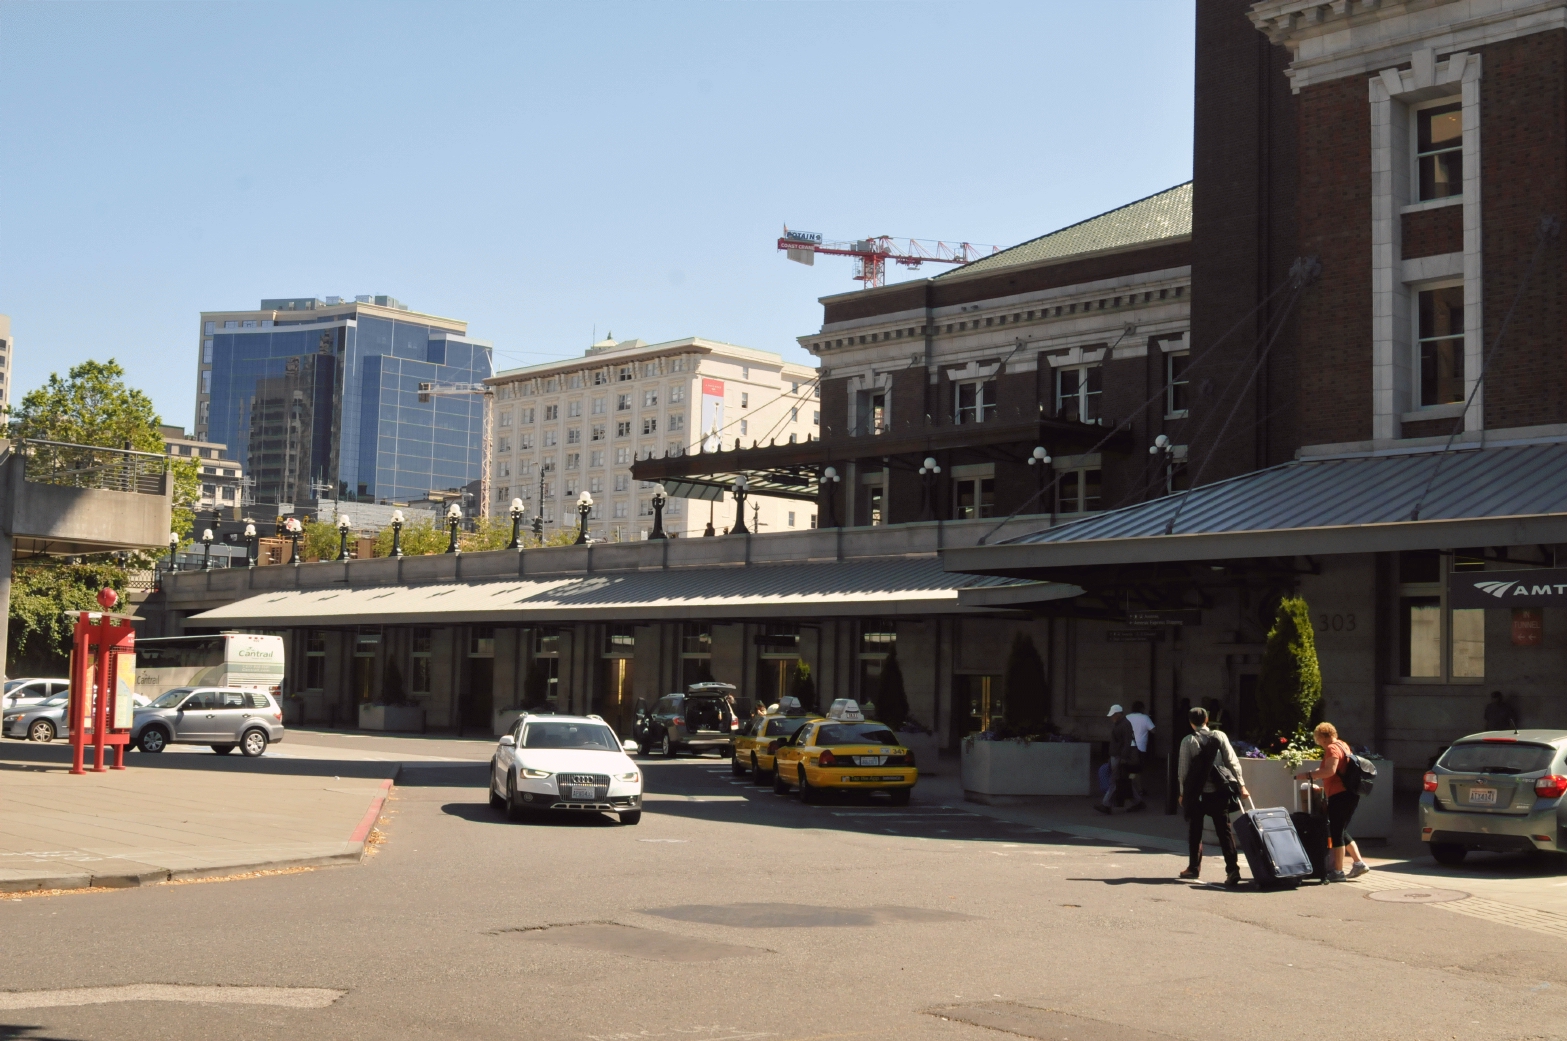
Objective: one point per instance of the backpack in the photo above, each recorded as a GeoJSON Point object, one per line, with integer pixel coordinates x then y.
{"type": "Point", "coordinates": [1358, 773]}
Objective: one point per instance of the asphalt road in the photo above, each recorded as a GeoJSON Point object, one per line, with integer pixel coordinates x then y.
{"type": "Point", "coordinates": [733, 913]}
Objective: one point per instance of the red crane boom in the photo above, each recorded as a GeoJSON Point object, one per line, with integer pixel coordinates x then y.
{"type": "Point", "coordinates": [871, 255]}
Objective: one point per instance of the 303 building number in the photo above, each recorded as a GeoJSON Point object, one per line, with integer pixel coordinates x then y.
{"type": "Point", "coordinates": [1338, 623]}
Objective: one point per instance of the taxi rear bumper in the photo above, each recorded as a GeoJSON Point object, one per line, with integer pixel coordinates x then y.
{"type": "Point", "coordinates": [866, 778]}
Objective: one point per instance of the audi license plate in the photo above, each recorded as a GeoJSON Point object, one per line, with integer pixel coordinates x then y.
{"type": "Point", "coordinates": [582, 792]}
{"type": "Point", "coordinates": [867, 760]}
{"type": "Point", "coordinates": [1482, 796]}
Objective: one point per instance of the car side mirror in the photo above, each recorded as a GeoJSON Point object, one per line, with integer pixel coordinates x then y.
{"type": "Point", "coordinates": [507, 741]}
{"type": "Point", "coordinates": [630, 747]}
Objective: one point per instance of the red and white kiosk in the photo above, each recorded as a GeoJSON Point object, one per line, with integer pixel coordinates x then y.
{"type": "Point", "coordinates": [103, 684]}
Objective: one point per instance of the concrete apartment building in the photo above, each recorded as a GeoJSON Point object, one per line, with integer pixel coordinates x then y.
{"type": "Point", "coordinates": [319, 399]}
{"type": "Point", "coordinates": [565, 427]}
{"type": "Point", "coordinates": [223, 484]}
{"type": "Point", "coordinates": [7, 360]}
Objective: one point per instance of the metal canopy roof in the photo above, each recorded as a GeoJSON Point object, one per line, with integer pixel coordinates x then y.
{"type": "Point", "coordinates": [1514, 495]}
{"type": "Point", "coordinates": [896, 586]}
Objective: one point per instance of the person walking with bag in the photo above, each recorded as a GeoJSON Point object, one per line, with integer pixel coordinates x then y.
{"type": "Point", "coordinates": [1123, 763]}
{"type": "Point", "coordinates": [1341, 801]}
{"type": "Point", "coordinates": [1211, 788]}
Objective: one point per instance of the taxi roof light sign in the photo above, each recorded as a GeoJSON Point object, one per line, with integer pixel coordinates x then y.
{"type": "Point", "coordinates": [846, 710]}
{"type": "Point", "coordinates": [788, 706]}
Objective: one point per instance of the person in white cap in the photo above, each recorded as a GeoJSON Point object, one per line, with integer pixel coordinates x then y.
{"type": "Point", "coordinates": [1123, 753]}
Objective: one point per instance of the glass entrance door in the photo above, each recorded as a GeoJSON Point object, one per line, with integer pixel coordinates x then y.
{"type": "Point", "coordinates": [976, 703]}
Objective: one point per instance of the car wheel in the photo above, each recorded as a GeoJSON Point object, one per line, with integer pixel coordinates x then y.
{"type": "Point", "coordinates": [900, 796]}
{"type": "Point", "coordinates": [153, 739]}
{"type": "Point", "coordinates": [41, 730]}
{"type": "Point", "coordinates": [253, 743]}
{"type": "Point", "coordinates": [497, 801]}
{"type": "Point", "coordinates": [223, 749]}
{"type": "Point", "coordinates": [757, 775]}
{"type": "Point", "coordinates": [631, 817]}
{"type": "Point", "coordinates": [780, 786]}
{"type": "Point", "coordinates": [736, 766]}
{"type": "Point", "coordinates": [1449, 854]}
{"type": "Point", "coordinates": [807, 793]}
{"type": "Point", "coordinates": [514, 806]}
{"type": "Point", "coordinates": [666, 747]}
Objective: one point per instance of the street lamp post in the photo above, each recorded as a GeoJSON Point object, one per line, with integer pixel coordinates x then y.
{"type": "Point", "coordinates": [929, 470]}
{"type": "Point", "coordinates": [660, 497]}
{"type": "Point", "coordinates": [295, 532]}
{"type": "Point", "coordinates": [740, 494]}
{"type": "Point", "coordinates": [250, 543]}
{"type": "Point", "coordinates": [829, 478]}
{"type": "Point", "coordinates": [516, 525]}
{"type": "Point", "coordinates": [206, 550]}
{"type": "Point", "coordinates": [1162, 446]}
{"type": "Point", "coordinates": [584, 507]}
{"type": "Point", "coordinates": [453, 520]}
{"type": "Point", "coordinates": [397, 533]}
{"type": "Point", "coordinates": [344, 525]}
{"type": "Point", "coordinates": [174, 545]}
{"type": "Point", "coordinates": [1040, 458]}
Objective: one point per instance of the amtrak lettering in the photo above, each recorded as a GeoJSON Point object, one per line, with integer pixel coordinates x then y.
{"type": "Point", "coordinates": [1537, 587]}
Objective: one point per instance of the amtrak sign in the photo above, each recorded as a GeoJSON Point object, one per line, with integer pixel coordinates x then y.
{"type": "Point", "coordinates": [1537, 587]}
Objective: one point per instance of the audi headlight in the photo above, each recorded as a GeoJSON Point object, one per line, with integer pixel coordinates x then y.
{"type": "Point", "coordinates": [537, 775]}
{"type": "Point", "coordinates": [632, 776]}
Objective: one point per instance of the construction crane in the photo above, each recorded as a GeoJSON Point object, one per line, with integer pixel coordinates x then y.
{"type": "Point", "coordinates": [871, 255]}
{"type": "Point", "coordinates": [435, 390]}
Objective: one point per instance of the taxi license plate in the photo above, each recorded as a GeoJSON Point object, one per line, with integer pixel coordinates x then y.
{"type": "Point", "coordinates": [582, 791]}
{"type": "Point", "coordinates": [1482, 796]}
{"type": "Point", "coordinates": [867, 760]}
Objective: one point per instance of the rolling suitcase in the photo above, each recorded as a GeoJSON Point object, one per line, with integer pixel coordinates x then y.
{"type": "Point", "coordinates": [1273, 849]}
{"type": "Point", "coordinates": [1311, 824]}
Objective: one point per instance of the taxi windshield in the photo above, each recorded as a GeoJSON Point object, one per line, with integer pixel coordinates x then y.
{"type": "Point", "coordinates": [593, 736]}
{"type": "Point", "coordinates": [785, 726]}
{"type": "Point", "coordinates": [855, 734]}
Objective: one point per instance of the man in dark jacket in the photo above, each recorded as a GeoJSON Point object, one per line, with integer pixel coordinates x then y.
{"type": "Point", "coordinates": [1210, 785]}
{"type": "Point", "coordinates": [1499, 715]}
{"type": "Point", "coordinates": [1124, 762]}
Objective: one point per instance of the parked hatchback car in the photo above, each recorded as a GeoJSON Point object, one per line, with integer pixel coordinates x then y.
{"type": "Point", "coordinates": [1500, 791]}
{"type": "Point", "coordinates": [225, 719]}
{"type": "Point", "coordinates": [32, 691]}
{"type": "Point", "coordinates": [37, 721]}
{"type": "Point", "coordinates": [700, 720]}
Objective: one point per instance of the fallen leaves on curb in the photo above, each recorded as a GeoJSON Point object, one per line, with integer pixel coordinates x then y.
{"type": "Point", "coordinates": [264, 873]}
{"type": "Point", "coordinates": [59, 892]}
{"type": "Point", "coordinates": [373, 841]}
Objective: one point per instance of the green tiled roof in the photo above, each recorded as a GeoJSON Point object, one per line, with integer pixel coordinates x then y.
{"type": "Point", "coordinates": [1165, 215]}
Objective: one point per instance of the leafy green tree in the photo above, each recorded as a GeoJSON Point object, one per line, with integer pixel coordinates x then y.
{"type": "Point", "coordinates": [91, 406]}
{"type": "Point", "coordinates": [41, 595]}
{"type": "Point", "coordinates": [803, 687]}
{"type": "Point", "coordinates": [892, 701]}
{"type": "Point", "coordinates": [1291, 681]}
{"type": "Point", "coordinates": [1026, 697]}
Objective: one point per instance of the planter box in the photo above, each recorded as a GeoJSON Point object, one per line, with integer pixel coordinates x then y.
{"type": "Point", "coordinates": [926, 749]}
{"type": "Point", "coordinates": [1271, 783]}
{"type": "Point", "coordinates": [1000, 772]}
{"type": "Point", "coordinates": [393, 718]}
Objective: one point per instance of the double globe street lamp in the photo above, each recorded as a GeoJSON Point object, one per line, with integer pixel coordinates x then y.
{"type": "Point", "coordinates": [516, 512]}
{"type": "Point", "coordinates": [584, 508]}
{"type": "Point", "coordinates": [344, 526]}
{"type": "Point", "coordinates": [660, 497]}
{"type": "Point", "coordinates": [829, 478]}
{"type": "Point", "coordinates": [397, 533]}
{"type": "Point", "coordinates": [453, 521]}
{"type": "Point", "coordinates": [740, 490]}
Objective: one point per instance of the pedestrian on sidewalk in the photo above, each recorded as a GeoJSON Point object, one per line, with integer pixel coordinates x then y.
{"type": "Point", "coordinates": [1211, 788]}
{"type": "Point", "coordinates": [1123, 752]}
{"type": "Point", "coordinates": [1341, 801]}
{"type": "Point", "coordinates": [1142, 726]}
{"type": "Point", "coordinates": [1499, 715]}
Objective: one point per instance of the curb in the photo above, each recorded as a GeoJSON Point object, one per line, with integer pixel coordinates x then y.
{"type": "Point", "coordinates": [352, 854]}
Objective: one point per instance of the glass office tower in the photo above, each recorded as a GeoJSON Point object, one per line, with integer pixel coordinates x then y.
{"type": "Point", "coordinates": [325, 404]}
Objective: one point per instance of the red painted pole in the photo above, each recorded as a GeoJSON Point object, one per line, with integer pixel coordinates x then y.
{"type": "Point", "coordinates": [103, 677]}
{"type": "Point", "coordinates": [76, 710]}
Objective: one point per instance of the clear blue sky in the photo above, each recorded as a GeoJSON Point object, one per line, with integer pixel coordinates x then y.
{"type": "Point", "coordinates": [542, 170]}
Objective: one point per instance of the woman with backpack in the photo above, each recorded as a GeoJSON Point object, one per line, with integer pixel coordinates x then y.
{"type": "Point", "coordinates": [1341, 800]}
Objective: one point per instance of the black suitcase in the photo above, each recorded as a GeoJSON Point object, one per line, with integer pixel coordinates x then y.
{"type": "Point", "coordinates": [1311, 824]}
{"type": "Point", "coordinates": [1273, 849]}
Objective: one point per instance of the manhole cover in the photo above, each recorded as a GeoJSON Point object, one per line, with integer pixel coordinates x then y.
{"type": "Point", "coordinates": [1418, 896]}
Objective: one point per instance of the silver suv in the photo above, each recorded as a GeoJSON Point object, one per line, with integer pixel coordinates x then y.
{"type": "Point", "coordinates": [216, 716]}
{"type": "Point", "coordinates": [1500, 791]}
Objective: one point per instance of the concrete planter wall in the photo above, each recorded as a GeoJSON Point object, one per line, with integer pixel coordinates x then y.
{"type": "Point", "coordinates": [1271, 783]}
{"type": "Point", "coordinates": [391, 718]}
{"type": "Point", "coordinates": [1000, 772]}
{"type": "Point", "coordinates": [926, 749]}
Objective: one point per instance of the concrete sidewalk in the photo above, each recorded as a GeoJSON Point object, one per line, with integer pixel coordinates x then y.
{"type": "Point", "coordinates": [311, 800]}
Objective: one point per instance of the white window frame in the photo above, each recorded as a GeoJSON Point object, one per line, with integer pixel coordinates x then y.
{"type": "Point", "coordinates": [1084, 396]}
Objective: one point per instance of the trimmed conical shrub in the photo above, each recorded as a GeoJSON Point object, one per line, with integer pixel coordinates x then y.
{"type": "Point", "coordinates": [1291, 682]}
{"type": "Point", "coordinates": [1024, 690]}
{"type": "Point", "coordinates": [892, 701]}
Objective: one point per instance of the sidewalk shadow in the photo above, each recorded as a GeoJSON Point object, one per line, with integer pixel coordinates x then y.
{"type": "Point", "coordinates": [17, 1032]}
{"type": "Point", "coordinates": [1133, 880]}
{"type": "Point", "coordinates": [482, 813]}
{"type": "Point", "coordinates": [55, 757]}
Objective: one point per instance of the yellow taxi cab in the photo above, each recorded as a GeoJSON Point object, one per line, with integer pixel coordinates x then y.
{"type": "Point", "coordinates": [844, 752]}
{"type": "Point", "coordinates": [754, 746]}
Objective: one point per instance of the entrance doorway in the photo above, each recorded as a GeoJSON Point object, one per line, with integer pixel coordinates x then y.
{"type": "Point", "coordinates": [617, 659]}
{"type": "Point", "coordinates": [477, 697]}
{"type": "Point", "coordinates": [976, 703]}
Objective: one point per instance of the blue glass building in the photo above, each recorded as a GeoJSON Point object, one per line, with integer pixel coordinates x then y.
{"type": "Point", "coordinates": [320, 400]}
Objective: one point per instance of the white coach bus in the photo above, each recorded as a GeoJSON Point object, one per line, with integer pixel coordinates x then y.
{"type": "Point", "coordinates": [235, 660]}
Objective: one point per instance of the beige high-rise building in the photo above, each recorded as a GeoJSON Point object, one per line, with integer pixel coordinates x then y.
{"type": "Point", "coordinates": [565, 427]}
{"type": "Point", "coordinates": [7, 357]}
